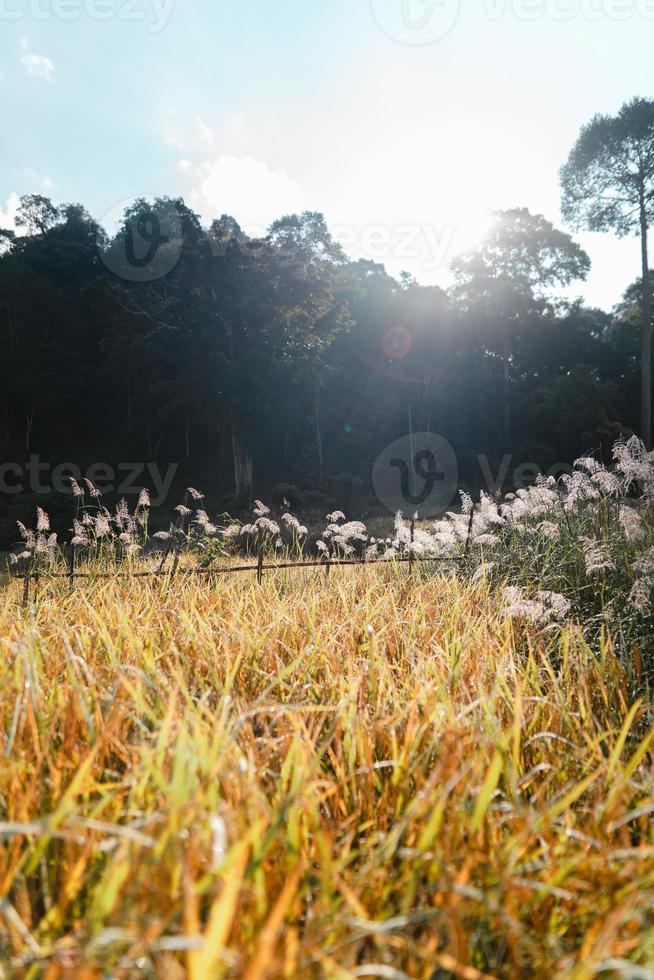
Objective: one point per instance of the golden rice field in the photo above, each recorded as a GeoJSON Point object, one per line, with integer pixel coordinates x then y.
{"type": "Point", "coordinates": [366, 775]}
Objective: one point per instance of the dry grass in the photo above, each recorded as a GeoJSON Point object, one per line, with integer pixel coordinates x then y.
{"type": "Point", "coordinates": [347, 777]}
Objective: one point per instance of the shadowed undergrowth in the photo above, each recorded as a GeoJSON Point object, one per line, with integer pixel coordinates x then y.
{"type": "Point", "coordinates": [369, 774]}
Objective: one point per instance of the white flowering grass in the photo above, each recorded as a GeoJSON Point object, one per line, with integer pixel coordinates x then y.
{"type": "Point", "coordinates": [587, 538]}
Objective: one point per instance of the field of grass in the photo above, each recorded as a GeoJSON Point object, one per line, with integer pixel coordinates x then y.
{"type": "Point", "coordinates": [370, 774]}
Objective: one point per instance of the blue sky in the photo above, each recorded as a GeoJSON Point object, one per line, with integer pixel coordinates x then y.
{"type": "Point", "coordinates": [404, 121]}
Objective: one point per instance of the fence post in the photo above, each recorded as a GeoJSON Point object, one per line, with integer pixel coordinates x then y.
{"type": "Point", "coordinates": [165, 556]}
{"type": "Point", "coordinates": [260, 563]}
{"type": "Point", "coordinates": [411, 543]}
{"type": "Point", "coordinates": [470, 523]}
{"type": "Point", "coordinates": [26, 588]}
{"type": "Point", "coordinates": [72, 566]}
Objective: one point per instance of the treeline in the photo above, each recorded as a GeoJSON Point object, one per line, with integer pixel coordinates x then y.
{"type": "Point", "coordinates": [255, 363]}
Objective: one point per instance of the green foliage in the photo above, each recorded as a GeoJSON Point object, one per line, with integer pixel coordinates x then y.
{"type": "Point", "coordinates": [260, 361]}
{"type": "Point", "coordinates": [609, 170]}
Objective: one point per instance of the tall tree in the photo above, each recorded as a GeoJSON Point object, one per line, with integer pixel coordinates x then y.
{"type": "Point", "coordinates": [504, 282]}
{"type": "Point", "coordinates": [608, 184]}
{"type": "Point", "coordinates": [36, 214]}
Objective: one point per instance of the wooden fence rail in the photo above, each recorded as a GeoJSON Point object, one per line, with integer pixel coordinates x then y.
{"type": "Point", "coordinates": [326, 563]}
{"type": "Point", "coordinates": [259, 568]}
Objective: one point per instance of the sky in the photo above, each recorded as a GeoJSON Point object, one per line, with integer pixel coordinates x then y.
{"type": "Point", "coordinates": [404, 121]}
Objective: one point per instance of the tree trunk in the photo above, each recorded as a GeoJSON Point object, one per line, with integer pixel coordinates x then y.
{"type": "Point", "coordinates": [646, 355]}
{"type": "Point", "coordinates": [412, 450]}
{"type": "Point", "coordinates": [243, 466]}
{"type": "Point", "coordinates": [506, 417]}
{"type": "Point", "coordinates": [29, 422]}
{"type": "Point", "coordinates": [319, 447]}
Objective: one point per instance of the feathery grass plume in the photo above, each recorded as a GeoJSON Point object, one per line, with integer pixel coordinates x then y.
{"type": "Point", "coordinates": [609, 484]}
{"type": "Point", "coordinates": [144, 499]}
{"type": "Point", "coordinates": [267, 526]}
{"type": "Point", "coordinates": [484, 571]}
{"type": "Point", "coordinates": [102, 526]}
{"type": "Point", "coordinates": [596, 556]}
{"type": "Point", "coordinates": [579, 489]}
{"type": "Point", "coordinates": [26, 534]}
{"type": "Point", "coordinates": [486, 540]}
{"type": "Point", "coordinates": [641, 591]}
{"type": "Point", "coordinates": [46, 548]}
{"type": "Point", "coordinates": [631, 523]}
{"type": "Point", "coordinates": [547, 610]}
{"type": "Point", "coordinates": [80, 541]}
{"type": "Point", "coordinates": [75, 487]}
{"type": "Point", "coordinates": [549, 529]}
{"type": "Point", "coordinates": [644, 564]}
{"type": "Point", "coordinates": [354, 531]}
{"type": "Point", "coordinates": [634, 462]}
{"type": "Point", "coordinates": [122, 517]}
{"type": "Point", "coordinates": [345, 540]}
{"type": "Point", "coordinates": [589, 464]}
{"type": "Point", "coordinates": [293, 524]}
{"type": "Point", "coordinates": [93, 491]}
{"type": "Point", "coordinates": [466, 502]}
{"type": "Point", "coordinates": [640, 595]}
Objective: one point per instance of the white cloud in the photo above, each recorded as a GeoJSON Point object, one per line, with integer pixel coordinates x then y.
{"type": "Point", "coordinates": [8, 213]}
{"type": "Point", "coordinates": [37, 65]}
{"type": "Point", "coordinates": [247, 189]}
{"type": "Point", "coordinates": [39, 183]}
{"type": "Point", "coordinates": [206, 132]}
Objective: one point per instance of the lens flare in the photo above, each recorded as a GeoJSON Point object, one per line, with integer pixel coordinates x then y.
{"type": "Point", "coordinates": [397, 343]}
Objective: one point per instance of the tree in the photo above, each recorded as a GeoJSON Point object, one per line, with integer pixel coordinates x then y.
{"type": "Point", "coordinates": [37, 214]}
{"type": "Point", "coordinates": [504, 282]}
{"type": "Point", "coordinates": [608, 184]}
{"type": "Point", "coordinates": [306, 234]}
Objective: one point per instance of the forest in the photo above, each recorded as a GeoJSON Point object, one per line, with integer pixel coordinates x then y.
{"type": "Point", "coordinates": [278, 366]}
